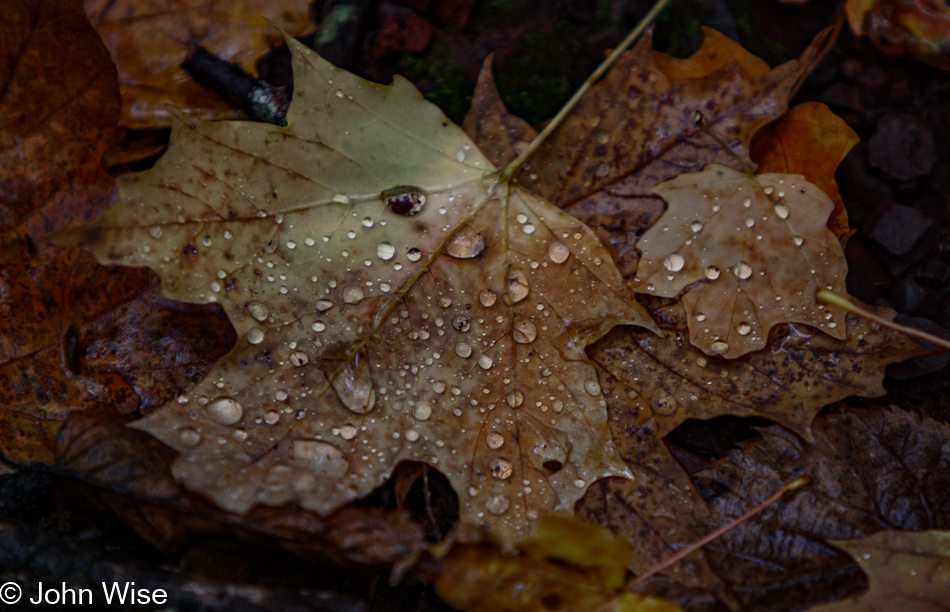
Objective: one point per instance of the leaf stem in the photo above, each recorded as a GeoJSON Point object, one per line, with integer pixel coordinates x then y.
{"type": "Point", "coordinates": [552, 125]}
{"type": "Point", "coordinates": [788, 488]}
{"type": "Point", "coordinates": [832, 298]}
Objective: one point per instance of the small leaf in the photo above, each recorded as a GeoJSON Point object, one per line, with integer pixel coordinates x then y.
{"type": "Point", "coordinates": [758, 248]}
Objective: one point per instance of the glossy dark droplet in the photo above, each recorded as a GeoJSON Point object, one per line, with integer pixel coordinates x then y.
{"type": "Point", "coordinates": [405, 201]}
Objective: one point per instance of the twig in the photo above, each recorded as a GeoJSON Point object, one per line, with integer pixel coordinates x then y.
{"type": "Point", "coordinates": [648, 19]}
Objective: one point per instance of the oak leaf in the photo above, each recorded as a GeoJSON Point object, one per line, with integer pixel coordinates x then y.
{"type": "Point", "coordinates": [908, 570]}
{"type": "Point", "coordinates": [809, 140]}
{"type": "Point", "coordinates": [393, 301]}
{"type": "Point", "coordinates": [149, 40]}
{"type": "Point", "coordinates": [751, 251]}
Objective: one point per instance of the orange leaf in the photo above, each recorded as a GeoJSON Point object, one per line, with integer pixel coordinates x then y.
{"type": "Point", "coordinates": [809, 140]}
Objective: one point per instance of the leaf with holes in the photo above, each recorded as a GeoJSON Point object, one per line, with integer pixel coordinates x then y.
{"type": "Point", "coordinates": [750, 251]}
{"type": "Point", "coordinates": [393, 300]}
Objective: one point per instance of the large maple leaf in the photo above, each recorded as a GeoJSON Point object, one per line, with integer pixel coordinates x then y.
{"type": "Point", "coordinates": [393, 301]}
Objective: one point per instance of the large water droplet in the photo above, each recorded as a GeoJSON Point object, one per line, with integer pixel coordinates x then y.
{"type": "Point", "coordinates": [742, 270]}
{"type": "Point", "coordinates": [354, 385]}
{"type": "Point", "coordinates": [719, 347]}
{"type": "Point", "coordinates": [405, 201]}
{"type": "Point", "coordinates": [696, 226]}
{"type": "Point", "coordinates": [501, 468]}
{"type": "Point", "coordinates": [558, 252]}
{"type": "Point", "coordinates": [413, 254]}
{"type": "Point", "coordinates": [255, 335]}
{"type": "Point", "coordinates": [318, 326]}
{"type": "Point", "coordinates": [674, 262]}
{"type": "Point", "coordinates": [385, 251]}
{"type": "Point", "coordinates": [592, 387]}
{"type": "Point", "coordinates": [225, 411]}
{"type": "Point", "coordinates": [422, 412]}
{"type": "Point", "coordinates": [463, 350]}
{"type": "Point", "coordinates": [517, 286]}
{"type": "Point", "coordinates": [782, 210]}
{"type": "Point", "coordinates": [487, 298]}
{"type": "Point", "coordinates": [352, 295]}
{"type": "Point", "coordinates": [189, 438]}
{"type": "Point", "coordinates": [712, 272]}
{"type": "Point", "coordinates": [515, 399]}
{"type": "Point", "coordinates": [798, 240]}
{"type": "Point", "coordinates": [465, 243]}
{"type": "Point", "coordinates": [324, 305]}
{"type": "Point", "coordinates": [485, 362]}
{"type": "Point", "coordinates": [497, 504]}
{"type": "Point", "coordinates": [495, 440]}
{"type": "Point", "coordinates": [744, 329]}
{"type": "Point", "coordinates": [299, 358]}
{"type": "Point", "coordinates": [258, 310]}
{"type": "Point", "coordinates": [320, 458]}
{"type": "Point", "coordinates": [525, 331]}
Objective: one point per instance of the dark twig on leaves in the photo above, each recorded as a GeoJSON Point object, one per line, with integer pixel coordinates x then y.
{"type": "Point", "coordinates": [255, 97]}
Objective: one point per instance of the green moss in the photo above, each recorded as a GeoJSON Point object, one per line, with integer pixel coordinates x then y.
{"type": "Point", "coordinates": [453, 85]}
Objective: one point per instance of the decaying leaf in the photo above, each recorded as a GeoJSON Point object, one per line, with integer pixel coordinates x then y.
{"type": "Point", "coordinates": [908, 570]}
{"type": "Point", "coordinates": [566, 565]}
{"type": "Point", "coordinates": [717, 52]}
{"type": "Point", "coordinates": [874, 469]}
{"type": "Point", "coordinates": [58, 307]}
{"type": "Point", "coordinates": [637, 128]}
{"type": "Point", "coordinates": [918, 28]}
{"type": "Point", "coordinates": [757, 247]}
{"type": "Point", "coordinates": [149, 39]}
{"type": "Point", "coordinates": [809, 140]}
{"type": "Point", "coordinates": [392, 301]}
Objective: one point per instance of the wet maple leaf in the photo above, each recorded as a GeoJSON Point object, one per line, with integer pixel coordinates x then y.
{"type": "Point", "coordinates": [392, 301]}
{"type": "Point", "coordinates": [757, 248]}
{"type": "Point", "coordinates": [149, 40]}
{"type": "Point", "coordinates": [908, 570]}
{"type": "Point", "coordinates": [636, 128]}
{"type": "Point", "coordinates": [810, 140]}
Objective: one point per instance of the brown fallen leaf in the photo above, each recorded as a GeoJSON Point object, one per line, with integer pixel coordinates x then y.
{"type": "Point", "coordinates": [908, 570]}
{"type": "Point", "coordinates": [58, 109]}
{"type": "Point", "coordinates": [636, 128]}
{"type": "Point", "coordinates": [917, 28]}
{"type": "Point", "coordinates": [874, 469]}
{"type": "Point", "coordinates": [809, 140]}
{"type": "Point", "coordinates": [55, 302]}
{"type": "Point", "coordinates": [499, 135]}
{"type": "Point", "coordinates": [750, 251]}
{"type": "Point", "coordinates": [654, 384]}
{"type": "Point", "coordinates": [566, 565]}
{"type": "Point", "coordinates": [717, 52]}
{"type": "Point", "coordinates": [392, 302]}
{"type": "Point", "coordinates": [148, 39]}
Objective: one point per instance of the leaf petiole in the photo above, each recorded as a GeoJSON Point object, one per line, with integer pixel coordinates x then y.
{"type": "Point", "coordinates": [830, 297]}
{"type": "Point", "coordinates": [552, 125]}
